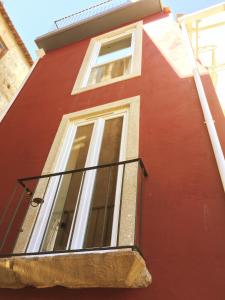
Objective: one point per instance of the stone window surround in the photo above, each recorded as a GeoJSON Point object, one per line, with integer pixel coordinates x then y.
{"type": "Point", "coordinates": [136, 58]}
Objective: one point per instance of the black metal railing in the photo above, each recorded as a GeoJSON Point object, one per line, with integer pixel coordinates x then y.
{"type": "Point", "coordinates": [120, 180]}
{"type": "Point", "coordinates": [90, 12]}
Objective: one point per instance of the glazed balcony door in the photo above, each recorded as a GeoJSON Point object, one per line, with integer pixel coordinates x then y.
{"type": "Point", "coordinates": [81, 209]}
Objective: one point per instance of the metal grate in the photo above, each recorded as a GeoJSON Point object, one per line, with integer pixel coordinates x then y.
{"type": "Point", "coordinates": [91, 12]}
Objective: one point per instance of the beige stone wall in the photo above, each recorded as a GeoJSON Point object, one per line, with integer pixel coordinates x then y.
{"type": "Point", "coordinates": [13, 67]}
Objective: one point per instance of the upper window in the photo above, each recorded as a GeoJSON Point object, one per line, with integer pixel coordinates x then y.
{"type": "Point", "coordinates": [113, 60]}
{"type": "Point", "coordinates": [3, 48]}
{"type": "Point", "coordinates": [111, 57]}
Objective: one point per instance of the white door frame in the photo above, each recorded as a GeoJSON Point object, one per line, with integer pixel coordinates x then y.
{"type": "Point", "coordinates": [46, 207]}
{"type": "Point", "coordinates": [77, 233]}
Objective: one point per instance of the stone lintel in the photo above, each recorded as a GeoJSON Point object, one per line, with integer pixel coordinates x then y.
{"type": "Point", "coordinates": [103, 269]}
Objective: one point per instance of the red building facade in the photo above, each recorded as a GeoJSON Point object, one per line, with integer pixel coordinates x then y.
{"type": "Point", "coordinates": [183, 210]}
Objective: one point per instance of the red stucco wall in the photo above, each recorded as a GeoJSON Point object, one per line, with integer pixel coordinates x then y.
{"type": "Point", "coordinates": [184, 205]}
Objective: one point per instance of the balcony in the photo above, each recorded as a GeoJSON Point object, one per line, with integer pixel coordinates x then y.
{"type": "Point", "coordinates": [109, 255]}
{"type": "Point", "coordinates": [96, 19]}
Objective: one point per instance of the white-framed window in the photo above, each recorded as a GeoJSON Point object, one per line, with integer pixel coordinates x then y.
{"type": "Point", "coordinates": [110, 58]}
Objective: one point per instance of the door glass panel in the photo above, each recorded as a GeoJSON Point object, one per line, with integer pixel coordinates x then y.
{"type": "Point", "coordinates": [99, 227]}
{"type": "Point", "coordinates": [58, 230]}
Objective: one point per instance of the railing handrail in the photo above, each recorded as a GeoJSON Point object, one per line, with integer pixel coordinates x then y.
{"type": "Point", "coordinates": [27, 196]}
{"type": "Point", "coordinates": [82, 10]}
{"type": "Point", "coordinates": [145, 173]}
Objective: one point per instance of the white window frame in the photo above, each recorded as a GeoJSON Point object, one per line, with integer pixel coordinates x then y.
{"type": "Point", "coordinates": [97, 48]}
{"type": "Point", "coordinates": [135, 30]}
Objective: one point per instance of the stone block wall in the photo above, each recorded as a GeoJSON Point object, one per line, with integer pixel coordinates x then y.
{"type": "Point", "coordinates": [13, 66]}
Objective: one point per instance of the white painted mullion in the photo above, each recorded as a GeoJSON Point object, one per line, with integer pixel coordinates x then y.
{"type": "Point", "coordinates": [92, 62]}
{"type": "Point", "coordinates": [88, 186]}
{"type": "Point", "coordinates": [113, 60]}
{"type": "Point", "coordinates": [119, 182]}
{"type": "Point", "coordinates": [50, 195]}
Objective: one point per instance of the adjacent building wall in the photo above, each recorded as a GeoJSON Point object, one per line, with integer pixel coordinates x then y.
{"type": "Point", "coordinates": [14, 64]}
{"type": "Point", "coordinates": [206, 31]}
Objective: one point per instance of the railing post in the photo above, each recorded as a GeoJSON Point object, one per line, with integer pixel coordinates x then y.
{"type": "Point", "coordinates": [141, 208]}
{"type": "Point", "coordinates": [12, 220]}
{"type": "Point", "coordinates": [7, 207]}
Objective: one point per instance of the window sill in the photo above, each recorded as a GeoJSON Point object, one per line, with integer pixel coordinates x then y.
{"type": "Point", "coordinates": [76, 91]}
{"type": "Point", "coordinates": [118, 268]}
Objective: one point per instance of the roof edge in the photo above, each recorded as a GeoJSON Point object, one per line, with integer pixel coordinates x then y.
{"type": "Point", "coordinates": [214, 9]}
{"type": "Point", "coordinates": [15, 34]}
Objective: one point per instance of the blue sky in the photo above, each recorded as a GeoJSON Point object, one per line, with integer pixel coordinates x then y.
{"type": "Point", "coordinates": [34, 18]}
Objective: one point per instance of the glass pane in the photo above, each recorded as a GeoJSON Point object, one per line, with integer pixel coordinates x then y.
{"type": "Point", "coordinates": [114, 50]}
{"type": "Point", "coordinates": [111, 70]}
{"type": "Point", "coordinates": [61, 219]}
{"type": "Point", "coordinates": [99, 227]}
